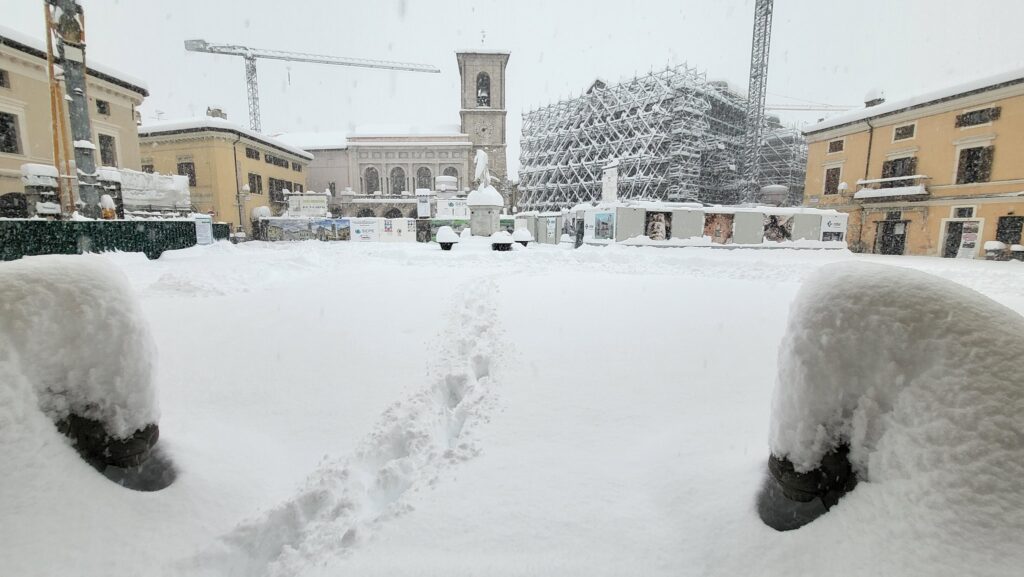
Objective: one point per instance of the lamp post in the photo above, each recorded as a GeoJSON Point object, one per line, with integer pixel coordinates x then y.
{"type": "Point", "coordinates": [243, 195]}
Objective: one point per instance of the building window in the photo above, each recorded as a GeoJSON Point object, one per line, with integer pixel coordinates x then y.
{"type": "Point", "coordinates": [296, 187]}
{"type": "Point", "coordinates": [275, 160]}
{"type": "Point", "coordinates": [255, 183]}
{"type": "Point", "coordinates": [188, 169]}
{"type": "Point", "coordinates": [424, 178]}
{"type": "Point", "coordinates": [10, 141]}
{"type": "Point", "coordinates": [905, 132]}
{"type": "Point", "coordinates": [397, 180]}
{"type": "Point", "coordinates": [906, 166]}
{"type": "Point", "coordinates": [252, 153]}
{"type": "Point", "coordinates": [371, 181]}
{"type": "Point", "coordinates": [1008, 229]}
{"type": "Point", "coordinates": [963, 212]}
{"type": "Point", "coordinates": [277, 187]}
{"type": "Point", "coordinates": [393, 213]}
{"type": "Point", "coordinates": [978, 117]}
{"type": "Point", "coordinates": [102, 107]}
{"type": "Point", "coordinates": [835, 146]}
{"type": "Point", "coordinates": [108, 150]}
{"type": "Point", "coordinates": [483, 89]}
{"type": "Point", "coordinates": [832, 176]}
{"type": "Point", "coordinates": [296, 167]}
{"type": "Point", "coordinates": [975, 164]}
{"type": "Point", "coordinates": [147, 168]}
{"type": "Point", "coordinates": [452, 171]}
{"type": "Point", "coordinates": [894, 215]}
{"type": "Point", "coordinates": [5, 79]}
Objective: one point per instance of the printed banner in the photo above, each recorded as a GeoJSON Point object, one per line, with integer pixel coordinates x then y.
{"type": "Point", "coordinates": [307, 229]}
{"type": "Point", "coordinates": [778, 227]}
{"type": "Point", "coordinates": [718, 226]}
{"type": "Point", "coordinates": [658, 225]}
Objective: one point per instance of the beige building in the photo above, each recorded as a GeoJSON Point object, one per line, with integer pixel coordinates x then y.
{"type": "Point", "coordinates": [938, 174]}
{"type": "Point", "coordinates": [376, 169]}
{"type": "Point", "coordinates": [220, 158]}
{"type": "Point", "coordinates": [25, 119]}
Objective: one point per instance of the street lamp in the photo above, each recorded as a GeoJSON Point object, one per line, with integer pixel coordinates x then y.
{"type": "Point", "coordinates": [243, 195]}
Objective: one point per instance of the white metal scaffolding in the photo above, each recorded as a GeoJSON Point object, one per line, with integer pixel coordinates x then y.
{"type": "Point", "coordinates": [675, 135]}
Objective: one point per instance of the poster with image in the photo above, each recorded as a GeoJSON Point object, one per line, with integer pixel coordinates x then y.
{"type": "Point", "coordinates": [658, 225]}
{"type": "Point", "coordinates": [778, 227]}
{"type": "Point", "coordinates": [604, 225]}
{"type": "Point", "coordinates": [969, 239]}
{"type": "Point", "coordinates": [365, 229]}
{"type": "Point", "coordinates": [718, 226]}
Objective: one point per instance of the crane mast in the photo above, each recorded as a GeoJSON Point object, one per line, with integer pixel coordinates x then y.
{"type": "Point", "coordinates": [757, 89]}
{"type": "Point", "coordinates": [250, 55]}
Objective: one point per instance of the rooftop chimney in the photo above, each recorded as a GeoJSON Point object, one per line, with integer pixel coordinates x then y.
{"type": "Point", "coordinates": [874, 97]}
{"type": "Point", "coordinates": [216, 112]}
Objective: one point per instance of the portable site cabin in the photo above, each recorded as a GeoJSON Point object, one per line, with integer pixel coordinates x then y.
{"type": "Point", "coordinates": [548, 227]}
{"type": "Point", "coordinates": [528, 221]}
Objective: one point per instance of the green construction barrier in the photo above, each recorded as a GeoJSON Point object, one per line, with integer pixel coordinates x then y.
{"type": "Point", "coordinates": [20, 238]}
{"type": "Point", "coordinates": [221, 231]}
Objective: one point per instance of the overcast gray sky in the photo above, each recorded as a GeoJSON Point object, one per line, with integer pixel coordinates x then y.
{"type": "Point", "coordinates": [822, 50]}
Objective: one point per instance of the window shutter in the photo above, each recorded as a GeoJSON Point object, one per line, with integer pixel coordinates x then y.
{"type": "Point", "coordinates": [985, 165]}
{"type": "Point", "coordinates": [912, 166]}
{"type": "Point", "coordinates": [961, 167]}
{"type": "Point", "coordinates": [887, 170]}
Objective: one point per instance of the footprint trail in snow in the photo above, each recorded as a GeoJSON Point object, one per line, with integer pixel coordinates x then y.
{"type": "Point", "coordinates": [410, 446]}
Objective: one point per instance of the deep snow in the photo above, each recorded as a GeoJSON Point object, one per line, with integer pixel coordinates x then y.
{"type": "Point", "coordinates": [382, 409]}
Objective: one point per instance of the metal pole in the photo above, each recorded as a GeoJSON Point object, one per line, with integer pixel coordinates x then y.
{"type": "Point", "coordinates": [254, 93]}
{"type": "Point", "coordinates": [71, 47]}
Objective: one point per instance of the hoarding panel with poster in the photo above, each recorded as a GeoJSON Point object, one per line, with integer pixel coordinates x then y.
{"type": "Point", "coordinates": [365, 229]}
{"type": "Point", "coordinates": [833, 226]}
{"type": "Point", "coordinates": [718, 226]}
{"type": "Point", "coordinates": [778, 227]}
{"type": "Point", "coordinates": [658, 225]}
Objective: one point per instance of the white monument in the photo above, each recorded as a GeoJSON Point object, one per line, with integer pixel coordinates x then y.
{"type": "Point", "coordinates": [485, 203]}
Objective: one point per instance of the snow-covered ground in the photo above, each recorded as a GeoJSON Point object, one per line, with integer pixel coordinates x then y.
{"type": "Point", "coordinates": [392, 409]}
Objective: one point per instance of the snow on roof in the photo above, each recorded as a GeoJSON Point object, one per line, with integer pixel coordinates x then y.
{"type": "Point", "coordinates": [483, 51]}
{"type": "Point", "coordinates": [315, 140]}
{"type": "Point", "coordinates": [211, 123]}
{"type": "Point", "coordinates": [958, 90]}
{"type": "Point", "coordinates": [888, 192]}
{"type": "Point", "coordinates": [36, 47]}
{"type": "Point", "coordinates": [407, 130]}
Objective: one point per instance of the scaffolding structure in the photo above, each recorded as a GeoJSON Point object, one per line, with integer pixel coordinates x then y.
{"type": "Point", "coordinates": [783, 160]}
{"type": "Point", "coordinates": [676, 137]}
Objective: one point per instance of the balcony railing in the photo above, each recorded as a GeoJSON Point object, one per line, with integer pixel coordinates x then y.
{"type": "Point", "coordinates": [910, 187]}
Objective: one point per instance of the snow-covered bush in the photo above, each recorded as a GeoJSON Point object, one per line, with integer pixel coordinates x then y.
{"type": "Point", "coordinates": [70, 327]}
{"type": "Point", "coordinates": [446, 237]}
{"type": "Point", "coordinates": [501, 240]}
{"type": "Point", "coordinates": [522, 236]}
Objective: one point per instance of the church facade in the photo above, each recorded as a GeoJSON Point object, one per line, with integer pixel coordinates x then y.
{"type": "Point", "coordinates": [376, 170]}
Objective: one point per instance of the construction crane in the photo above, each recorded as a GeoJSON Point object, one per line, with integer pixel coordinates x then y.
{"type": "Point", "coordinates": [250, 55]}
{"type": "Point", "coordinates": [756, 91]}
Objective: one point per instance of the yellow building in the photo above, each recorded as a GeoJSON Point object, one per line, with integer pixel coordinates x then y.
{"type": "Point", "coordinates": [25, 120]}
{"type": "Point", "coordinates": [939, 174]}
{"type": "Point", "coordinates": [220, 158]}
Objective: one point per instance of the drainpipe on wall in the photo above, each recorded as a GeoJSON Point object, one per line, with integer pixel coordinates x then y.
{"type": "Point", "coordinates": [867, 165]}
{"type": "Point", "coordinates": [238, 186]}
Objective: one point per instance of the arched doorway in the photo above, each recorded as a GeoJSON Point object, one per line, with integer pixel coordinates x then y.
{"type": "Point", "coordinates": [371, 181]}
{"type": "Point", "coordinates": [424, 178]}
{"type": "Point", "coordinates": [452, 171]}
{"type": "Point", "coordinates": [397, 181]}
{"type": "Point", "coordinates": [365, 213]}
{"type": "Point", "coordinates": [393, 213]}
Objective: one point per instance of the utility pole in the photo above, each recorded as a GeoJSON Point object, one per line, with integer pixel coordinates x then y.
{"type": "Point", "coordinates": [69, 29]}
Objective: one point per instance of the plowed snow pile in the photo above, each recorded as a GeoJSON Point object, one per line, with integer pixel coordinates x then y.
{"type": "Point", "coordinates": [393, 409]}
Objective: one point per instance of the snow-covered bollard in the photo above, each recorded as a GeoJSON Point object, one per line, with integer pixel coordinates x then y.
{"type": "Point", "coordinates": [522, 236]}
{"type": "Point", "coordinates": [447, 238]}
{"type": "Point", "coordinates": [995, 250]}
{"type": "Point", "coordinates": [501, 240]}
{"type": "Point", "coordinates": [1017, 252]}
{"type": "Point", "coordinates": [918, 397]}
{"type": "Point", "coordinates": [76, 349]}
{"type": "Point", "coordinates": [466, 233]}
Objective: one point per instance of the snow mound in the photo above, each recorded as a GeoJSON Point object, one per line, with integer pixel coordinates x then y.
{"type": "Point", "coordinates": [522, 235]}
{"type": "Point", "coordinates": [994, 245]}
{"type": "Point", "coordinates": [485, 196]}
{"type": "Point", "coordinates": [922, 378]}
{"type": "Point", "coordinates": [447, 234]}
{"type": "Point", "coordinates": [71, 329]}
{"type": "Point", "coordinates": [501, 237]}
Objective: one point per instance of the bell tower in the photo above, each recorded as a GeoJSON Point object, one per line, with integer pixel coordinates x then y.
{"type": "Point", "coordinates": [483, 104]}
